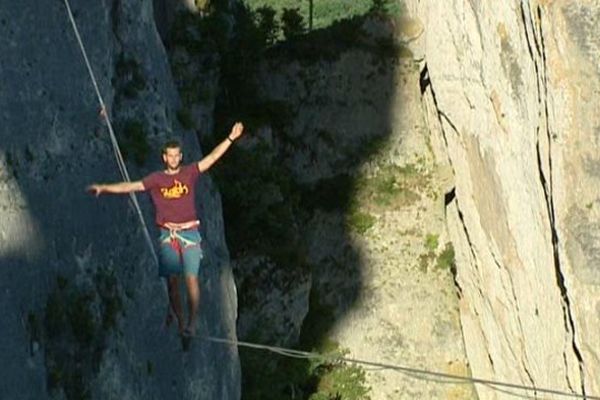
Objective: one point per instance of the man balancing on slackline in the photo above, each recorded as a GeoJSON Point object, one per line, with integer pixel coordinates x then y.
{"type": "Point", "coordinates": [172, 192]}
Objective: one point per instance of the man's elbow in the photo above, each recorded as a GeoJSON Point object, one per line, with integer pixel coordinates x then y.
{"type": "Point", "coordinates": [206, 163]}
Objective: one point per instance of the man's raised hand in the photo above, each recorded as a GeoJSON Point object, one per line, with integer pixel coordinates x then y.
{"type": "Point", "coordinates": [236, 131]}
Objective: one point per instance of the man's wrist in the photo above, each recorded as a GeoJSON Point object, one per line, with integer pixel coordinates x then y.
{"type": "Point", "coordinates": [230, 139]}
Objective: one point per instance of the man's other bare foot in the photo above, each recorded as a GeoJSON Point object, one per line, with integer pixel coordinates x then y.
{"type": "Point", "coordinates": [190, 330]}
{"type": "Point", "coordinates": [169, 320]}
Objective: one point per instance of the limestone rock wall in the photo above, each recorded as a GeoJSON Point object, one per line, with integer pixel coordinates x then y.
{"type": "Point", "coordinates": [379, 284]}
{"type": "Point", "coordinates": [511, 89]}
{"type": "Point", "coordinates": [81, 302]}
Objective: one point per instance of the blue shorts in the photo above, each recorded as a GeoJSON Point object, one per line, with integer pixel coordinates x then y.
{"type": "Point", "coordinates": [180, 252]}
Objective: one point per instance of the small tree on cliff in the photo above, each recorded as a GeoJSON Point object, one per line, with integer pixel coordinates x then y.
{"type": "Point", "coordinates": [267, 24]}
{"type": "Point", "coordinates": [380, 6]}
{"type": "Point", "coordinates": [293, 23]}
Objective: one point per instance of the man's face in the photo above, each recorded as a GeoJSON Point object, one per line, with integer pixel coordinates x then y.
{"type": "Point", "coordinates": [172, 157]}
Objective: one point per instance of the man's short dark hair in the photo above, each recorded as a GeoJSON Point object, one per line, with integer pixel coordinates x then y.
{"type": "Point", "coordinates": [170, 144]}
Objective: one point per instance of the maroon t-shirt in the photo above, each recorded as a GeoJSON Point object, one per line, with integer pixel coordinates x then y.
{"type": "Point", "coordinates": [173, 195]}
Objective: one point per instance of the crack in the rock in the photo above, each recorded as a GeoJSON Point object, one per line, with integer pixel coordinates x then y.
{"type": "Point", "coordinates": [116, 21]}
{"type": "Point", "coordinates": [425, 83]}
{"type": "Point", "coordinates": [533, 58]}
{"type": "Point", "coordinates": [487, 342]}
{"type": "Point", "coordinates": [543, 109]}
{"type": "Point", "coordinates": [491, 360]}
{"type": "Point", "coordinates": [524, 362]}
{"type": "Point", "coordinates": [541, 74]}
{"type": "Point", "coordinates": [449, 196]}
{"type": "Point", "coordinates": [547, 185]}
{"type": "Point", "coordinates": [535, 393]}
{"type": "Point", "coordinates": [448, 120]}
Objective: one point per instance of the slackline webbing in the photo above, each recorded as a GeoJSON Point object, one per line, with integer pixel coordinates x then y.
{"type": "Point", "coordinates": [417, 373]}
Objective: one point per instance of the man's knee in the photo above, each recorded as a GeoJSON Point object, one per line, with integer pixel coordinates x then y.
{"type": "Point", "coordinates": [173, 282]}
{"type": "Point", "coordinates": [191, 282]}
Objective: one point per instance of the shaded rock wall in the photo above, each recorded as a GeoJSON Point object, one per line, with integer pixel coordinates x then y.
{"type": "Point", "coordinates": [82, 305]}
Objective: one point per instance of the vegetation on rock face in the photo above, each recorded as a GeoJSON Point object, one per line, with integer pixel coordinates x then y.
{"type": "Point", "coordinates": [265, 204]}
{"type": "Point", "coordinates": [359, 221]}
{"type": "Point", "coordinates": [278, 377]}
{"type": "Point", "coordinates": [431, 242]}
{"type": "Point", "coordinates": [443, 261]}
{"type": "Point", "coordinates": [266, 212]}
{"type": "Point", "coordinates": [391, 187]}
{"type": "Point", "coordinates": [74, 329]}
{"type": "Point", "coordinates": [326, 12]}
{"type": "Point", "coordinates": [292, 23]}
{"type": "Point", "coordinates": [446, 258]}
{"type": "Point", "coordinates": [133, 140]}
{"type": "Point", "coordinates": [128, 81]}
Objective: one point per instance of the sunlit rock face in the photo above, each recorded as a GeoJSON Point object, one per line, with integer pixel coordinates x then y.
{"type": "Point", "coordinates": [81, 302]}
{"type": "Point", "coordinates": [512, 92]}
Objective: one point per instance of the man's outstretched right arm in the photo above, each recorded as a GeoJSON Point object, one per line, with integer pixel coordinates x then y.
{"type": "Point", "coordinates": [118, 188]}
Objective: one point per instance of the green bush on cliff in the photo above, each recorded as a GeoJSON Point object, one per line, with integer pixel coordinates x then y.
{"type": "Point", "coordinates": [265, 211]}
{"type": "Point", "coordinates": [431, 242]}
{"type": "Point", "coordinates": [311, 379]}
{"type": "Point", "coordinates": [75, 327]}
{"type": "Point", "coordinates": [292, 23]}
{"type": "Point", "coordinates": [134, 143]}
{"type": "Point", "coordinates": [279, 378]}
{"type": "Point", "coordinates": [341, 382]}
{"type": "Point", "coordinates": [268, 26]}
{"type": "Point", "coordinates": [359, 221]}
{"type": "Point", "coordinates": [324, 12]}
{"type": "Point", "coordinates": [263, 207]}
{"type": "Point", "coordinates": [446, 258]}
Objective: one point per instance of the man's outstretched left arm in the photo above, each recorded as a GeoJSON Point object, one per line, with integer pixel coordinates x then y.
{"type": "Point", "coordinates": [221, 148]}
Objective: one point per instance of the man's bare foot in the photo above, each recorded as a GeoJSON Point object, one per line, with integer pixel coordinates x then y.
{"type": "Point", "coordinates": [169, 320]}
{"type": "Point", "coordinates": [190, 330]}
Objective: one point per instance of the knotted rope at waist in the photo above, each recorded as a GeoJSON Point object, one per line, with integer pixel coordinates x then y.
{"type": "Point", "coordinates": [175, 238]}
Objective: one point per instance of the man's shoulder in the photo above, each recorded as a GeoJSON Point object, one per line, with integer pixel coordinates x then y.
{"type": "Point", "coordinates": [191, 168]}
{"type": "Point", "coordinates": [152, 176]}
{"type": "Point", "coordinates": [158, 172]}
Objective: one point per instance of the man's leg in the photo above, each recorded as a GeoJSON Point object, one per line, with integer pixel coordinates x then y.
{"type": "Point", "coordinates": [170, 267]}
{"type": "Point", "coordinates": [193, 292]}
{"type": "Point", "coordinates": [192, 255]}
{"type": "Point", "coordinates": [175, 300]}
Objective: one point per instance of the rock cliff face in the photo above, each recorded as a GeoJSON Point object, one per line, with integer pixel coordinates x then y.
{"type": "Point", "coordinates": [82, 305]}
{"type": "Point", "coordinates": [509, 95]}
{"type": "Point", "coordinates": [512, 92]}
{"type": "Point", "coordinates": [379, 282]}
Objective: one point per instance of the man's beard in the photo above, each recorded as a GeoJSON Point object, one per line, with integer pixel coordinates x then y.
{"type": "Point", "coordinates": [170, 168]}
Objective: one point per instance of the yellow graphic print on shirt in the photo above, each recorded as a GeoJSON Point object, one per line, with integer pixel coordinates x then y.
{"type": "Point", "coordinates": [176, 191]}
